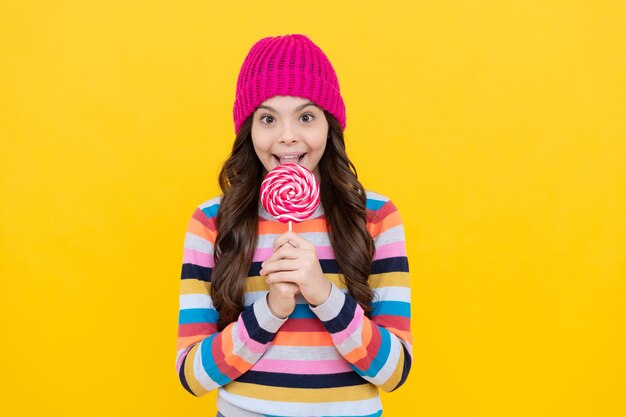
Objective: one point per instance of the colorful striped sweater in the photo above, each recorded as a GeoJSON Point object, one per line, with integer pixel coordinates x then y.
{"type": "Point", "coordinates": [328, 360]}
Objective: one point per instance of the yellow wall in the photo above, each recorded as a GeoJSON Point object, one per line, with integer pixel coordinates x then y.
{"type": "Point", "coordinates": [497, 127]}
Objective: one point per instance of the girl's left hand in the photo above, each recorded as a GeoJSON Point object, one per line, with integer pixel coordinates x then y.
{"type": "Point", "coordinates": [295, 260]}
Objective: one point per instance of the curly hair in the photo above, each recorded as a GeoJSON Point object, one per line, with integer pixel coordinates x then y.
{"type": "Point", "coordinates": [342, 198]}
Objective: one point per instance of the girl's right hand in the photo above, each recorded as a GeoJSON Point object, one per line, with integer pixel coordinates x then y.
{"type": "Point", "coordinates": [282, 298]}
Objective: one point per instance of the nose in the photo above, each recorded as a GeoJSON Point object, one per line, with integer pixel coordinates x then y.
{"type": "Point", "coordinates": [288, 135]}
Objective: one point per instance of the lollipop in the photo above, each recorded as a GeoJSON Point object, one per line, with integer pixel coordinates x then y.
{"type": "Point", "coordinates": [290, 193]}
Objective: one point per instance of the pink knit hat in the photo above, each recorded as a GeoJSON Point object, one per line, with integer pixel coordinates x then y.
{"type": "Point", "coordinates": [290, 65]}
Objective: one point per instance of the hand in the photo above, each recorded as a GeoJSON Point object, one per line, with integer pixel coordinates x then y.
{"type": "Point", "coordinates": [282, 299]}
{"type": "Point", "coordinates": [295, 261]}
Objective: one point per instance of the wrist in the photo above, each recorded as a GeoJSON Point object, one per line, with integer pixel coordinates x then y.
{"type": "Point", "coordinates": [273, 311]}
{"type": "Point", "coordinates": [330, 308]}
{"type": "Point", "coordinates": [325, 295]}
{"type": "Point", "coordinates": [264, 317]}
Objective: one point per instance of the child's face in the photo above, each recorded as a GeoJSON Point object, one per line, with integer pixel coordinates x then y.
{"type": "Point", "coordinates": [288, 129]}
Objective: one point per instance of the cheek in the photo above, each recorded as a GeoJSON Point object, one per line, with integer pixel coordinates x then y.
{"type": "Point", "coordinates": [320, 142]}
{"type": "Point", "coordinates": [321, 138]}
{"type": "Point", "coordinates": [261, 143]}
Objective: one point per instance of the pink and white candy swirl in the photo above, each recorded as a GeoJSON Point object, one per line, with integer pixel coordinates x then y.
{"type": "Point", "coordinates": [290, 192]}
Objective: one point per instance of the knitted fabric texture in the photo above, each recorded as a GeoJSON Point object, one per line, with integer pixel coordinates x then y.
{"type": "Point", "coordinates": [329, 360]}
{"type": "Point", "coordinates": [290, 65]}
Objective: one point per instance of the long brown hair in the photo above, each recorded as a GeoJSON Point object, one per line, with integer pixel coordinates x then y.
{"type": "Point", "coordinates": [343, 200]}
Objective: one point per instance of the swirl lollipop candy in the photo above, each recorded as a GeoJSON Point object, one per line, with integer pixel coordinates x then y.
{"type": "Point", "coordinates": [290, 193]}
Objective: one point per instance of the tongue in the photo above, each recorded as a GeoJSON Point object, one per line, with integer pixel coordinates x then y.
{"type": "Point", "coordinates": [289, 160]}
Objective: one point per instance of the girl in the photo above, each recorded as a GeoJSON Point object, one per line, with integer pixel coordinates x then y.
{"type": "Point", "coordinates": [304, 323]}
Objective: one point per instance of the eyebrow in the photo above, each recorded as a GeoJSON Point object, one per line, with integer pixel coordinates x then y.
{"type": "Point", "coordinates": [310, 103]}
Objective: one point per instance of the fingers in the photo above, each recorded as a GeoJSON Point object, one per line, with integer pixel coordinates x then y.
{"type": "Point", "coordinates": [289, 246]}
{"type": "Point", "coordinates": [279, 265]}
{"type": "Point", "coordinates": [285, 288]}
{"type": "Point", "coordinates": [285, 252]}
{"type": "Point", "coordinates": [283, 277]}
{"type": "Point", "coordinates": [292, 238]}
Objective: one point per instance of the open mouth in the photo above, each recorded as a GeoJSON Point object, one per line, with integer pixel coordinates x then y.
{"type": "Point", "coordinates": [288, 158]}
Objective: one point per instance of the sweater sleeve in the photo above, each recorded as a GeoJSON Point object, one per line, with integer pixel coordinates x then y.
{"type": "Point", "coordinates": [207, 359]}
{"type": "Point", "coordinates": [378, 348]}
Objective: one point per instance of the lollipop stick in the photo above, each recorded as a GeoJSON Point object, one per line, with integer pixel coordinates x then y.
{"type": "Point", "coordinates": [290, 225]}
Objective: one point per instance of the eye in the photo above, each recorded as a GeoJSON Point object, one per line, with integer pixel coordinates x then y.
{"type": "Point", "coordinates": [307, 117]}
{"type": "Point", "coordinates": [264, 119]}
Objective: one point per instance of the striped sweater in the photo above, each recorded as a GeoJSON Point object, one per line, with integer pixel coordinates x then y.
{"type": "Point", "coordinates": [328, 360]}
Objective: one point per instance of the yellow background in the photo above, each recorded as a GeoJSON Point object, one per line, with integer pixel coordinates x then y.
{"type": "Point", "coordinates": [497, 127]}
